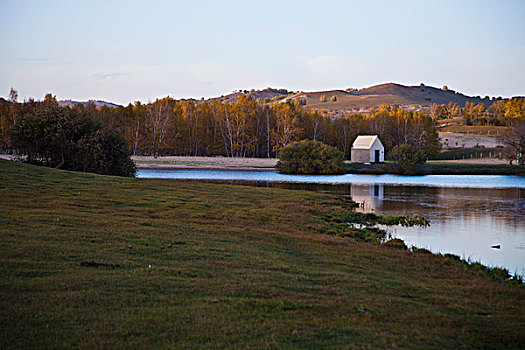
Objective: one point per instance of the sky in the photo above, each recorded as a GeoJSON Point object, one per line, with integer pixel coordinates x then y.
{"type": "Point", "coordinates": [126, 51]}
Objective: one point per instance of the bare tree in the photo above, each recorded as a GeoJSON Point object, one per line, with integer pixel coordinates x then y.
{"type": "Point", "coordinates": [13, 96]}
{"type": "Point", "coordinates": [514, 141]}
{"type": "Point", "coordinates": [435, 111]}
{"type": "Point", "coordinates": [158, 123]}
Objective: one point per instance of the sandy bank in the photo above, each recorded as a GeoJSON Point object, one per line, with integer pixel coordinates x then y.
{"type": "Point", "coordinates": [172, 162]}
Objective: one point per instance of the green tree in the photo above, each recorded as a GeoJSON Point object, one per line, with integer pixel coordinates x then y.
{"type": "Point", "coordinates": [63, 138]}
{"type": "Point", "coordinates": [310, 157]}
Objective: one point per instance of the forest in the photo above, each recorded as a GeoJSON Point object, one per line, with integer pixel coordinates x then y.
{"type": "Point", "coordinates": [252, 128]}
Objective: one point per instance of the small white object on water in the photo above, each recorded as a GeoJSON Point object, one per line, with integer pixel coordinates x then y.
{"type": "Point", "coordinates": [149, 266]}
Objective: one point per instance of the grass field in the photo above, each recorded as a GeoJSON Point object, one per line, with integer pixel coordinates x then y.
{"type": "Point", "coordinates": [92, 261]}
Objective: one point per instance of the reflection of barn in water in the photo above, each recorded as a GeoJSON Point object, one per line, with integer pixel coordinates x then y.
{"type": "Point", "coordinates": [369, 197]}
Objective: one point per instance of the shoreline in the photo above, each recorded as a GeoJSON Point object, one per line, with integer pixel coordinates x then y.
{"type": "Point", "coordinates": [211, 163]}
{"type": "Point", "coordinates": [184, 167]}
{"type": "Point", "coordinates": [480, 166]}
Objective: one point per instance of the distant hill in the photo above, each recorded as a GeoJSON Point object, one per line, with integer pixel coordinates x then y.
{"type": "Point", "coordinates": [98, 103]}
{"type": "Point", "coordinates": [409, 97]}
{"type": "Point", "coordinates": [334, 102]}
{"type": "Point", "coordinates": [266, 95]}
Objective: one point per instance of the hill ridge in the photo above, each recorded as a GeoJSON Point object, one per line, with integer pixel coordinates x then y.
{"type": "Point", "coordinates": [411, 97]}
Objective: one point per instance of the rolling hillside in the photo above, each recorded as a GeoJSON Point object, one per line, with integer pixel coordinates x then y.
{"type": "Point", "coordinates": [409, 97]}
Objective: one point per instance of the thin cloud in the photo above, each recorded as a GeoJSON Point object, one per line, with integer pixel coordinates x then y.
{"type": "Point", "coordinates": [32, 59]}
{"type": "Point", "coordinates": [108, 75]}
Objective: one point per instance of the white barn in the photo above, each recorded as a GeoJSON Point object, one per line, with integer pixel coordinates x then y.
{"type": "Point", "coordinates": [367, 149]}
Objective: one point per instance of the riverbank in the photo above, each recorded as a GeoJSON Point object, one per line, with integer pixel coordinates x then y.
{"type": "Point", "coordinates": [481, 166]}
{"type": "Point", "coordinates": [176, 162]}
{"type": "Point", "coordinates": [440, 168]}
{"type": "Point", "coordinates": [202, 264]}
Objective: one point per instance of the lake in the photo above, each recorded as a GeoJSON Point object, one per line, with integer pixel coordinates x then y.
{"type": "Point", "coordinates": [468, 214]}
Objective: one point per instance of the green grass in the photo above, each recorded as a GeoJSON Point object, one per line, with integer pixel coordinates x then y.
{"type": "Point", "coordinates": [231, 267]}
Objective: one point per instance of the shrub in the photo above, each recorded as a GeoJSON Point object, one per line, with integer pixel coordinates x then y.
{"type": "Point", "coordinates": [396, 243]}
{"type": "Point", "coordinates": [310, 157]}
{"type": "Point", "coordinates": [104, 152]}
{"type": "Point", "coordinates": [407, 157]}
{"type": "Point", "coordinates": [421, 251]}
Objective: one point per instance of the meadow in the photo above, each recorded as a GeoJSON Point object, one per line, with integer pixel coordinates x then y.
{"type": "Point", "coordinates": [108, 262]}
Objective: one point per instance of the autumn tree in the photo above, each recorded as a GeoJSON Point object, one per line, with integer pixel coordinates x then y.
{"type": "Point", "coordinates": [315, 125]}
{"type": "Point", "coordinates": [158, 122]}
{"type": "Point", "coordinates": [346, 130]}
{"type": "Point", "coordinates": [451, 110]}
{"type": "Point", "coordinates": [472, 113]}
{"type": "Point", "coordinates": [287, 126]}
{"type": "Point", "coordinates": [496, 113]}
{"type": "Point", "coordinates": [515, 107]}
{"type": "Point", "coordinates": [135, 133]}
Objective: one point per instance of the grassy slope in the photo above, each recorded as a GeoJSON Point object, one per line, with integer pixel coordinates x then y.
{"type": "Point", "coordinates": [384, 93]}
{"type": "Point", "coordinates": [231, 267]}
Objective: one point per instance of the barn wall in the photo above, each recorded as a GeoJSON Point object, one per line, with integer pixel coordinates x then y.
{"type": "Point", "coordinates": [360, 156]}
{"type": "Point", "coordinates": [381, 149]}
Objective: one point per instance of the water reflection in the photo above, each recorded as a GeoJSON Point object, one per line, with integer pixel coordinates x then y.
{"type": "Point", "coordinates": [369, 197]}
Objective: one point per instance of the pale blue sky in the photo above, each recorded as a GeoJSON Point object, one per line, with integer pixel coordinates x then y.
{"type": "Point", "coordinates": [123, 51]}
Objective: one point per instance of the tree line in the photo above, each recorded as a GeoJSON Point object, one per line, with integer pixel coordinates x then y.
{"type": "Point", "coordinates": [499, 113]}
{"type": "Point", "coordinates": [246, 128]}
{"type": "Point", "coordinates": [49, 135]}
{"type": "Point", "coordinates": [251, 128]}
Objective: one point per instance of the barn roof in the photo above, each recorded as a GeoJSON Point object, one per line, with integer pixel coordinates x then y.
{"type": "Point", "coordinates": [364, 141]}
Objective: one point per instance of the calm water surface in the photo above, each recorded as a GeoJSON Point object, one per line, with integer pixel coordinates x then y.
{"type": "Point", "coordinates": [468, 214]}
